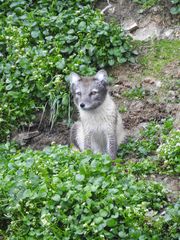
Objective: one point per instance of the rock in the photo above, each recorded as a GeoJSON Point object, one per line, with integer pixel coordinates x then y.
{"type": "Point", "coordinates": [117, 95]}
{"type": "Point", "coordinates": [171, 33]}
{"type": "Point", "coordinates": [150, 31]}
{"type": "Point", "coordinates": [158, 84]}
{"type": "Point", "coordinates": [145, 21]}
{"type": "Point", "coordinates": [23, 138]}
{"type": "Point", "coordinates": [130, 25]}
{"type": "Point", "coordinates": [111, 10]}
{"type": "Point", "coordinates": [115, 88]}
{"type": "Point", "coordinates": [135, 52]}
{"type": "Point", "coordinates": [168, 32]}
{"type": "Point", "coordinates": [151, 84]}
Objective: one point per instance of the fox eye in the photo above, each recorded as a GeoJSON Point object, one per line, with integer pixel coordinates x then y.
{"type": "Point", "coordinates": [78, 93]}
{"type": "Point", "coordinates": [93, 93]}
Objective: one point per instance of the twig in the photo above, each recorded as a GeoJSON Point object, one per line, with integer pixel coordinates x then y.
{"type": "Point", "coordinates": [107, 7]}
{"type": "Point", "coordinates": [42, 115]}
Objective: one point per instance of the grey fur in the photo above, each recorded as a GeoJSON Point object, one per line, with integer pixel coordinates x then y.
{"type": "Point", "coordinates": [73, 134]}
{"type": "Point", "coordinates": [85, 85]}
{"type": "Point", "coordinates": [100, 128]}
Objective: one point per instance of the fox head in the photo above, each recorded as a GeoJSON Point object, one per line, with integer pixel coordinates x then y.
{"type": "Point", "coordinates": [88, 92]}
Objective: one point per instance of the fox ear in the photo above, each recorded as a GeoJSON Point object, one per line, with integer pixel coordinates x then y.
{"type": "Point", "coordinates": [73, 78]}
{"type": "Point", "coordinates": [101, 75]}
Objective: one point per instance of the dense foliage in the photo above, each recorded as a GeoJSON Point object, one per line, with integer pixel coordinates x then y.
{"type": "Point", "coordinates": [157, 150]}
{"type": "Point", "coordinates": [169, 151]}
{"type": "Point", "coordinates": [61, 194]}
{"type": "Point", "coordinates": [40, 43]}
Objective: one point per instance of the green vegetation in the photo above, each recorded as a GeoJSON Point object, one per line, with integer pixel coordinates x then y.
{"type": "Point", "coordinates": [135, 93]}
{"type": "Point", "coordinates": [176, 7]}
{"type": "Point", "coordinates": [122, 109]}
{"type": "Point", "coordinates": [40, 43]}
{"type": "Point", "coordinates": [169, 152]}
{"type": "Point", "coordinates": [160, 54]}
{"type": "Point", "coordinates": [146, 3]}
{"type": "Point", "coordinates": [156, 150]}
{"type": "Point", "coordinates": [61, 194]}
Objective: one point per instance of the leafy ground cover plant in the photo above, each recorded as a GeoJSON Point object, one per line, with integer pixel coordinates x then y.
{"type": "Point", "coordinates": [40, 43]}
{"type": "Point", "coordinates": [135, 93]}
{"type": "Point", "coordinates": [61, 194]}
{"type": "Point", "coordinates": [169, 152]}
{"type": "Point", "coordinates": [156, 150]}
{"type": "Point", "coordinates": [175, 9]}
{"type": "Point", "coordinates": [146, 3]}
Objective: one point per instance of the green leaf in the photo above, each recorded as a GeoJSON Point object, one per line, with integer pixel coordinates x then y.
{"type": "Point", "coordinates": [98, 220]}
{"type": "Point", "coordinates": [9, 86]}
{"type": "Point", "coordinates": [175, 1]}
{"type": "Point", "coordinates": [82, 25]}
{"type": "Point", "coordinates": [35, 34]}
{"type": "Point", "coordinates": [60, 64]}
{"type": "Point", "coordinates": [65, 100]}
{"type": "Point", "coordinates": [80, 177]}
{"type": "Point", "coordinates": [103, 213]}
{"type": "Point", "coordinates": [175, 10]}
{"type": "Point", "coordinates": [111, 222]}
{"type": "Point", "coordinates": [56, 198]}
{"type": "Point", "coordinates": [122, 234]}
{"type": "Point", "coordinates": [27, 194]}
{"type": "Point", "coordinates": [111, 62]}
{"type": "Point", "coordinates": [122, 60]}
{"type": "Point", "coordinates": [71, 31]}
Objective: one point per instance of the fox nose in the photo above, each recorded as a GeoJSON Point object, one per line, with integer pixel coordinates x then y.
{"type": "Point", "coordinates": [82, 105]}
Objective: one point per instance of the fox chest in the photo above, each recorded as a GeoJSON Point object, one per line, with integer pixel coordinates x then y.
{"type": "Point", "coordinates": [98, 134]}
{"type": "Point", "coordinates": [98, 124]}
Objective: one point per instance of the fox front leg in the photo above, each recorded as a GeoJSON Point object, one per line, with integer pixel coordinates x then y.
{"type": "Point", "coordinates": [112, 145]}
{"type": "Point", "coordinates": [87, 140]}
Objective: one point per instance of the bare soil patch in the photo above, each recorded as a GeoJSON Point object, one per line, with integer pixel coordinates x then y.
{"type": "Point", "coordinates": [143, 24]}
{"type": "Point", "coordinates": [38, 137]}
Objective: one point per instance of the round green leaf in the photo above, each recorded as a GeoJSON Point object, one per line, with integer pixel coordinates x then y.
{"type": "Point", "coordinates": [80, 177]}
{"type": "Point", "coordinates": [35, 34]}
{"type": "Point", "coordinates": [56, 198]}
{"type": "Point", "coordinates": [60, 64]}
{"type": "Point", "coordinates": [111, 222]}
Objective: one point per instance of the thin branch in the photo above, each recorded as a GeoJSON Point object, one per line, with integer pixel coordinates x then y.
{"type": "Point", "coordinates": [107, 7]}
{"type": "Point", "coordinates": [42, 115]}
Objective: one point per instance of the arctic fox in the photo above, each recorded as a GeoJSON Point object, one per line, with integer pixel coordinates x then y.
{"type": "Point", "coordinates": [100, 127]}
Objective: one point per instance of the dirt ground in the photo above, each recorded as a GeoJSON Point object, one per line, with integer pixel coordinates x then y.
{"type": "Point", "coordinates": [152, 105]}
{"type": "Point", "coordinates": [140, 23]}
